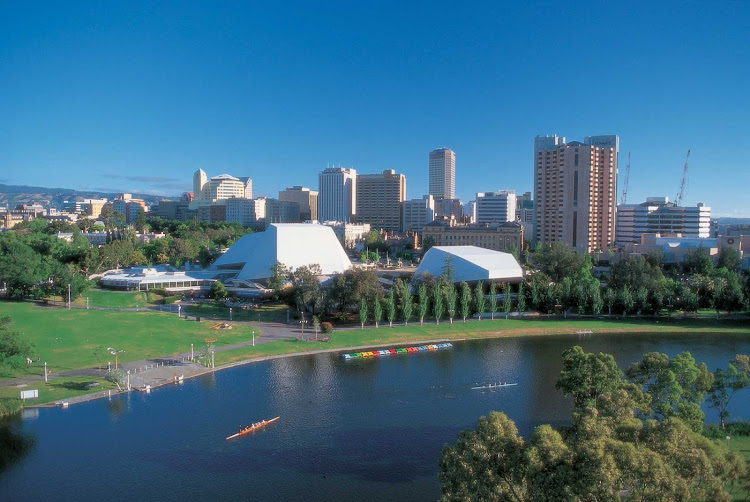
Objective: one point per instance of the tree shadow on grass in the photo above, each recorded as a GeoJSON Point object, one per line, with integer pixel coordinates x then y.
{"type": "Point", "coordinates": [79, 385]}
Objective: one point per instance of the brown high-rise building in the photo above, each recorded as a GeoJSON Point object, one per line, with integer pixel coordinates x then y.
{"type": "Point", "coordinates": [575, 191]}
{"type": "Point", "coordinates": [379, 198]}
{"type": "Point", "coordinates": [306, 198]}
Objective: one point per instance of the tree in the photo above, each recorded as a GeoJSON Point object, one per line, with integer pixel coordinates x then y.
{"type": "Point", "coordinates": [610, 297]}
{"type": "Point", "coordinates": [377, 311]}
{"type": "Point", "coordinates": [493, 300]}
{"type": "Point", "coordinates": [316, 325]}
{"type": "Point", "coordinates": [676, 386]}
{"type": "Point", "coordinates": [218, 291]}
{"type": "Point", "coordinates": [698, 262]}
{"type": "Point", "coordinates": [486, 463]}
{"type": "Point", "coordinates": [424, 302]}
{"type": "Point", "coordinates": [407, 303]}
{"type": "Point", "coordinates": [558, 261]}
{"type": "Point", "coordinates": [115, 376]}
{"type": "Point", "coordinates": [437, 304]}
{"type": "Point", "coordinates": [99, 353]}
{"type": "Point", "coordinates": [447, 271]}
{"type": "Point", "coordinates": [521, 302]}
{"type": "Point", "coordinates": [280, 275]}
{"type": "Point", "coordinates": [479, 299]}
{"type": "Point", "coordinates": [307, 286]}
{"type": "Point", "coordinates": [625, 299]}
{"type": "Point", "coordinates": [587, 376]}
{"type": "Point", "coordinates": [507, 299]}
{"type": "Point", "coordinates": [640, 300]}
{"type": "Point", "coordinates": [427, 243]}
{"type": "Point", "coordinates": [606, 451]}
{"type": "Point", "coordinates": [465, 300]}
{"type": "Point", "coordinates": [450, 301]}
{"type": "Point", "coordinates": [725, 385]}
{"type": "Point", "coordinates": [390, 308]}
{"type": "Point", "coordinates": [363, 312]}
{"type": "Point", "coordinates": [14, 350]}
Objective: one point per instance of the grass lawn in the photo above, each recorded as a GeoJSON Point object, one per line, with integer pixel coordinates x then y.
{"type": "Point", "coordinates": [117, 299]}
{"type": "Point", "coordinates": [66, 339]}
{"type": "Point", "coordinates": [216, 310]}
{"type": "Point", "coordinates": [479, 329]}
{"type": "Point", "coordinates": [60, 388]}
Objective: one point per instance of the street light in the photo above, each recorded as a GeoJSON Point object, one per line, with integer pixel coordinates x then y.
{"type": "Point", "coordinates": [230, 313]}
{"type": "Point", "coordinates": [191, 352]}
{"type": "Point", "coordinates": [114, 352]}
{"type": "Point", "coordinates": [68, 295]}
{"type": "Point", "coordinates": [253, 338]}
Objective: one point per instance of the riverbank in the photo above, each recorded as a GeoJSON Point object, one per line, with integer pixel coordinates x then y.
{"type": "Point", "coordinates": [358, 339]}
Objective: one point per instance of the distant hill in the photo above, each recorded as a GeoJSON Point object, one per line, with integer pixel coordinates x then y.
{"type": "Point", "coordinates": [13, 195]}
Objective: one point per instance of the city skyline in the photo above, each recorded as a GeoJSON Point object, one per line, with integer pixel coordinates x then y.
{"type": "Point", "coordinates": [125, 98]}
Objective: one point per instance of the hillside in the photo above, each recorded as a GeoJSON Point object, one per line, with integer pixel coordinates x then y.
{"type": "Point", "coordinates": [13, 195]}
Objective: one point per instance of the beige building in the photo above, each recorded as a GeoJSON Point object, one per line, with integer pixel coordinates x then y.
{"type": "Point", "coordinates": [379, 198]}
{"type": "Point", "coordinates": [306, 198]}
{"type": "Point", "coordinates": [220, 187]}
{"type": "Point", "coordinates": [93, 207]}
{"type": "Point", "coordinates": [442, 173]}
{"type": "Point", "coordinates": [503, 237]}
{"type": "Point", "coordinates": [575, 188]}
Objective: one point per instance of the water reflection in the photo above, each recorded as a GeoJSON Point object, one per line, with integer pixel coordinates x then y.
{"type": "Point", "coordinates": [14, 443]}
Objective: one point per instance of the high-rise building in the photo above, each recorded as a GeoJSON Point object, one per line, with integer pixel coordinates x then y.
{"type": "Point", "coordinates": [442, 181]}
{"type": "Point", "coordinates": [575, 188]}
{"type": "Point", "coordinates": [496, 207]}
{"type": "Point", "coordinates": [659, 216]}
{"type": "Point", "coordinates": [416, 213]}
{"type": "Point", "coordinates": [379, 198]}
{"type": "Point", "coordinates": [200, 179]}
{"type": "Point", "coordinates": [128, 206]}
{"type": "Point", "coordinates": [220, 187]}
{"type": "Point", "coordinates": [306, 198]}
{"type": "Point", "coordinates": [337, 195]}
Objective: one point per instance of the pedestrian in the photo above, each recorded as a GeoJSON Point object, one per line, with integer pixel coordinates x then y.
{"type": "Point", "coordinates": [38, 358]}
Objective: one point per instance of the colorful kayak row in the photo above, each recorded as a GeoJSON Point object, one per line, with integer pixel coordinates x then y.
{"type": "Point", "coordinates": [393, 352]}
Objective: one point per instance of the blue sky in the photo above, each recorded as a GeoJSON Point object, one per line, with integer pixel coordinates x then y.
{"type": "Point", "coordinates": [136, 96]}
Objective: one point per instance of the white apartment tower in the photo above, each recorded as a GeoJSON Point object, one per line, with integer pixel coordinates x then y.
{"type": "Point", "coordinates": [220, 187]}
{"type": "Point", "coordinates": [496, 207]}
{"type": "Point", "coordinates": [442, 181]}
{"type": "Point", "coordinates": [575, 187]}
{"type": "Point", "coordinates": [337, 195]}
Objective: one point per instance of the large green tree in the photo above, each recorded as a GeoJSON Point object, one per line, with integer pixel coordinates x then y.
{"type": "Point", "coordinates": [14, 349]}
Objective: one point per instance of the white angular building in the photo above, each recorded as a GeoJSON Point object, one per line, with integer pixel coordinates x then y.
{"type": "Point", "coordinates": [471, 263]}
{"type": "Point", "coordinates": [293, 244]}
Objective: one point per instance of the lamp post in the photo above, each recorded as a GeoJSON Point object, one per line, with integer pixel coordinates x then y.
{"type": "Point", "coordinates": [128, 379]}
{"type": "Point", "coordinates": [87, 303]}
{"type": "Point", "coordinates": [45, 371]}
{"type": "Point", "coordinates": [253, 338]}
{"type": "Point", "coordinates": [68, 295]}
{"type": "Point", "coordinates": [191, 352]}
{"type": "Point", "coordinates": [230, 313]}
{"type": "Point", "coordinates": [302, 325]}
{"type": "Point", "coordinates": [178, 310]}
{"type": "Point", "coordinates": [114, 352]}
{"type": "Point", "coordinates": [136, 304]}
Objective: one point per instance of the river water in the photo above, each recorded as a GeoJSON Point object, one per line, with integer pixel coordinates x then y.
{"type": "Point", "coordinates": [349, 430]}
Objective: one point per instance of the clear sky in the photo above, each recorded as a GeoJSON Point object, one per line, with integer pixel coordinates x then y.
{"type": "Point", "coordinates": [136, 96]}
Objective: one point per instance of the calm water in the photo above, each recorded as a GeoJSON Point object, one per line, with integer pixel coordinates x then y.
{"type": "Point", "coordinates": [363, 430]}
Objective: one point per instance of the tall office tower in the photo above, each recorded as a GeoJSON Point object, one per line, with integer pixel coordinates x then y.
{"type": "Point", "coordinates": [379, 198]}
{"type": "Point", "coordinates": [575, 187]}
{"type": "Point", "coordinates": [659, 216]}
{"type": "Point", "coordinates": [200, 178]}
{"type": "Point", "coordinates": [443, 173]}
{"type": "Point", "coordinates": [416, 213]}
{"type": "Point", "coordinates": [306, 198]}
{"type": "Point", "coordinates": [337, 195]}
{"type": "Point", "coordinates": [496, 207]}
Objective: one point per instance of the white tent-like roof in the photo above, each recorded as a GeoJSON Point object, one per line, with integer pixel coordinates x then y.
{"type": "Point", "coordinates": [471, 263]}
{"type": "Point", "coordinates": [293, 244]}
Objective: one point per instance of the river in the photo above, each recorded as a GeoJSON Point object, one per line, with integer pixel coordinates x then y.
{"type": "Point", "coordinates": [349, 430]}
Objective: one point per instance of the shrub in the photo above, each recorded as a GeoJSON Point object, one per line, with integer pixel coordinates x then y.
{"type": "Point", "coordinates": [326, 327]}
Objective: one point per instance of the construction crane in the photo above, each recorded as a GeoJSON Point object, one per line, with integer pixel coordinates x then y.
{"type": "Point", "coordinates": [624, 197]}
{"type": "Point", "coordinates": [684, 180]}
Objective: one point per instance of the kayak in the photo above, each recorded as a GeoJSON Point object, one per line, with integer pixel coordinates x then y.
{"type": "Point", "coordinates": [253, 427]}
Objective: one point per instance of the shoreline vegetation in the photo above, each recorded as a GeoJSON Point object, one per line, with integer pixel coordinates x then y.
{"type": "Point", "coordinates": [153, 334]}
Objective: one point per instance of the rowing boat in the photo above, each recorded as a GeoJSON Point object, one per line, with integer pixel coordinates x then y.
{"type": "Point", "coordinates": [254, 427]}
{"type": "Point", "coordinates": [494, 386]}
